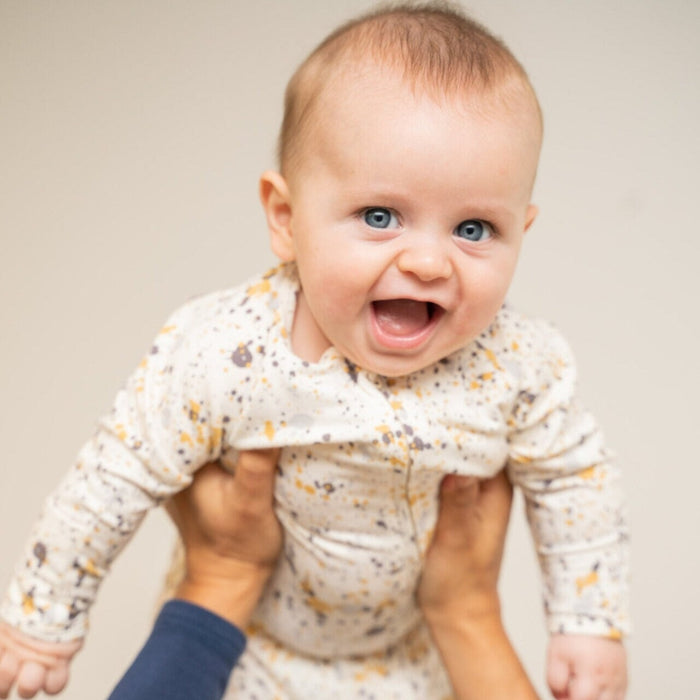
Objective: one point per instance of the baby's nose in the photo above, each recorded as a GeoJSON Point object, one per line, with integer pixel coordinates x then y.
{"type": "Point", "coordinates": [428, 261]}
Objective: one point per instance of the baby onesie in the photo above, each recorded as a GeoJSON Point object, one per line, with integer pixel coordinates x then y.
{"type": "Point", "coordinates": [362, 459]}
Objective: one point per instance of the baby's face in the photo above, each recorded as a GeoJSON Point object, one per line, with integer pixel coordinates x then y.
{"type": "Point", "coordinates": [406, 219]}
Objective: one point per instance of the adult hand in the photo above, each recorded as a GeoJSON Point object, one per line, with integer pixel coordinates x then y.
{"type": "Point", "coordinates": [464, 559]}
{"type": "Point", "coordinates": [458, 590]}
{"type": "Point", "coordinates": [231, 536]}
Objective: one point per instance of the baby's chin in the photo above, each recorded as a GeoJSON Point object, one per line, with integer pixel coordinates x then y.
{"type": "Point", "coordinates": [394, 365]}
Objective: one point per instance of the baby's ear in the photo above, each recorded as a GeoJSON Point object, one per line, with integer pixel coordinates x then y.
{"type": "Point", "coordinates": [532, 211]}
{"type": "Point", "coordinates": [276, 201]}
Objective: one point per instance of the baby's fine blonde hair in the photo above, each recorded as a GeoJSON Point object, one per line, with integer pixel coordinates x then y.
{"type": "Point", "coordinates": [433, 46]}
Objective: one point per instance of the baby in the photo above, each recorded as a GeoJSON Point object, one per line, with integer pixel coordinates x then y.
{"type": "Point", "coordinates": [381, 356]}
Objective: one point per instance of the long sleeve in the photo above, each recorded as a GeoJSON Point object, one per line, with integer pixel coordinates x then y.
{"type": "Point", "coordinates": [164, 424]}
{"type": "Point", "coordinates": [189, 654]}
{"type": "Point", "coordinates": [572, 492]}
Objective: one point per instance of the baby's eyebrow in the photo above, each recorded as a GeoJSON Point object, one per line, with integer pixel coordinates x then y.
{"type": "Point", "coordinates": [377, 195]}
{"type": "Point", "coordinates": [502, 214]}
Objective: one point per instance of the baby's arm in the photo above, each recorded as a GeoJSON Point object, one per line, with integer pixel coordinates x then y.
{"type": "Point", "coordinates": [586, 668]}
{"type": "Point", "coordinates": [576, 513]}
{"type": "Point", "coordinates": [163, 426]}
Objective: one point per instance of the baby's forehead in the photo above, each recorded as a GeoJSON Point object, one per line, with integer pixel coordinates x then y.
{"type": "Point", "coordinates": [373, 121]}
{"type": "Point", "coordinates": [370, 82]}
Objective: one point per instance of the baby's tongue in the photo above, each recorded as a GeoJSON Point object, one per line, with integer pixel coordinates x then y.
{"type": "Point", "coordinates": [401, 316]}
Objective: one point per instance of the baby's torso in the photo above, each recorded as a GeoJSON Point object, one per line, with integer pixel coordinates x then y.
{"type": "Point", "coordinates": [357, 499]}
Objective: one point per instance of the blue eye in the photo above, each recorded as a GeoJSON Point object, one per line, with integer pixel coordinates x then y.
{"type": "Point", "coordinates": [474, 230]}
{"type": "Point", "coordinates": [378, 217]}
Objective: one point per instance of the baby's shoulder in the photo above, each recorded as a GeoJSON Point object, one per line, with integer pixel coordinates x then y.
{"type": "Point", "coordinates": [522, 345]}
{"type": "Point", "coordinates": [514, 330]}
{"type": "Point", "coordinates": [256, 303]}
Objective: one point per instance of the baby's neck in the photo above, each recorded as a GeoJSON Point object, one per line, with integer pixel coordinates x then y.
{"type": "Point", "coordinates": [308, 341]}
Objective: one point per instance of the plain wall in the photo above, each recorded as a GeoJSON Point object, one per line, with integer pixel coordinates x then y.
{"type": "Point", "coordinates": [132, 135]}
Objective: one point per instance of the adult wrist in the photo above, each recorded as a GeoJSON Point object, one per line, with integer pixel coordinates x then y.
{"type": "Point", "coordinates": [472, 609]}
{"type": "Point", "coordinates": [233, 596]}
{"type": "Point", "coordinates": [478, 655]}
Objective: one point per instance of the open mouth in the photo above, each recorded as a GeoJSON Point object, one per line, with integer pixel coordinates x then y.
{"type": "Point", "coordinates": [405, 322]}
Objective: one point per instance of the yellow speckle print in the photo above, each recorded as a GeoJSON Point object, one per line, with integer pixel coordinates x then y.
{"type": "Point", "coordinates": [305, 487]}
{"type": "Point", "coordinates": [269, 430]}
{"type": "Point", "coordinates": [589, 473]}
{"type": "Point", "coordinates": [387, 434]}
{"type": "Point", "coordinates": [90, 568]}
{"type": "Point", "coordinates": [215, 435]}
{"type": "Point", "coordinates": [492, 358]}
{"type": "Point", "coordinates": [371, 667]}
{"type": "Point", "coordinates": [262, 287]}
{"type": "Point", "coordinates": [584, 582]}
{"type": "Point", "coordinates": [414, 498]}
{"type": "Point", "coordinates": [28, 606]}
{"type": "Point", "coordinates": [313, 601]}
{"type": "Point", "coordinates": [318, 605]}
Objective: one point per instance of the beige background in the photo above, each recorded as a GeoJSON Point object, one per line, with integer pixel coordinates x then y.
{"type": "Point", "coordinates": [131, 137]}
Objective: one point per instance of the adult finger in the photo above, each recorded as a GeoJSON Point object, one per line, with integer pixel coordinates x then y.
{"type": "Point", "coordinates": [458, 496]}
{"type": "Point", "coordinates": [255, 476]}
{"type": "Point", "coordinates": [497, 492]}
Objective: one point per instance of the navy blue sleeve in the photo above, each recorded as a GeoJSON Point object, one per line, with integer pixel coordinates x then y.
{"type": "Point", "coordinates": [189, 654]}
